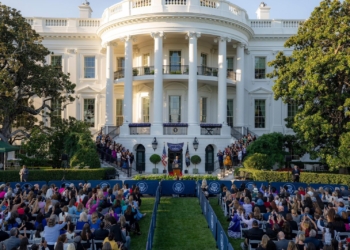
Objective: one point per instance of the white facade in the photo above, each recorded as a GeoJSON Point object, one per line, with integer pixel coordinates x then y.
{"type": "Point", "coordinates": [164, 61]}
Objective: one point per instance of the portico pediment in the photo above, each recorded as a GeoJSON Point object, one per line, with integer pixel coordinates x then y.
{"type": "Point", "coordinates": [88, 89]}
{"type": "Point", "coordinates": [261, 91]}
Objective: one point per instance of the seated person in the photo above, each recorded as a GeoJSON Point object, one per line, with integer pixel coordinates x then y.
{"type": "Point", "coordinates": [255, 233]}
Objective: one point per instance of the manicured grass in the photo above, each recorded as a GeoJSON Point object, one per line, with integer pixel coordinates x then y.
{"type": "Point", "coordinates": [236, 244]}
{"type": "Point", "coordinates": [181, 226]}
{"type": "Point", "coordinates": [139, 241]}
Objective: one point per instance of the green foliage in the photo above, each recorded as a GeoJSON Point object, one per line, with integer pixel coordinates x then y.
{"type": "Point", "coordinates": [270, 145]}
{"type": "Point", "coordinates": [309, 178]}
{"type": "Point", "coordinates": [57, 174]}
{"type": "Point", "coordinates": [196, 159]}
{"type": "Point", "coordinates": [168, 177]}
{"type": "Point", "coordinates": [85, 154]}
{"type": "Point", "coordinates": [155, 159]}
{"type": "Point", "coordinates": [315, 78]}
{"type": "Point", "coordinates": [257, 161]}
{"type": "Point", "coordinates": [25, 75]}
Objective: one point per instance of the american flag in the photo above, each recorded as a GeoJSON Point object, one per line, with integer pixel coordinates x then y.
{"type": "Point", "coordinates": [164, 157]}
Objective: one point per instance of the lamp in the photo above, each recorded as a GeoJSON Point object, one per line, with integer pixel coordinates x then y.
{"type": "Point", "coordinates": [154, 144]}
{"type": "Point", "coordinates": [195, 144]}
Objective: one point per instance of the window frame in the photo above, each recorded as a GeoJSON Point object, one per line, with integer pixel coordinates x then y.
{"type": "Point", "coordinates": [233, 111]}
{"type": "Point", "coordinates": [119, 116]}
{"type": "Point", "coordinates": [86, 67]}
{"type": "Point", "coordinates": [94, 112]}
{"type": "Point", "coordinates": [262, 116]}
{"type": "Point", "coordinates": [170, 108]}
{"type": "Point", "coordinates": [260, 69]}
{"type": "Point", "coordinates": [201, 113]}
{"type": "Point", "coordinates": [143, 109]}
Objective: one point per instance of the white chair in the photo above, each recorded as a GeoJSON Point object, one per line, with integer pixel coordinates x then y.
{"type": "Point", "coordinates": [253, 242]}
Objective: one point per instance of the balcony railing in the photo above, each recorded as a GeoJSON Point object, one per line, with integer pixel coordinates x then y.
{"type": "Point", "coordinates": [175, 69]}
{"type": "Point", "coordinates": [140, 130]}
{"type": "Point", "coordinates": [207, 71]}
{"type": "Point", "coordinates": [142, 71]}
{"type": "Point", "coordinates": [210, 129]}
{"type": "Point", "coordinates": [175, 128]}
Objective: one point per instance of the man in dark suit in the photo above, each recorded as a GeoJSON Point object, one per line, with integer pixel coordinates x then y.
{"type": "Point", "coordinates": [255, 233]}
{"type": "Point", "coordinates": [12, 242]}
{"type": "Point", "coordinates": [100, 234]}
{"type": "Point", "coordinates": [296, 173]}
{"type": "Point", "coordinates": [118, 234]}
{"type": "Point", "coordinates": [312, 239]}
{"type": "Point", "coordinates": [282, 243]}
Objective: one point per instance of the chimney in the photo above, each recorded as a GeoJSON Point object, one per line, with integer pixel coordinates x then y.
{"type": "Point", "coordinates": [85, 10]}
{"type": "Point", "coordinates": [263, 11]}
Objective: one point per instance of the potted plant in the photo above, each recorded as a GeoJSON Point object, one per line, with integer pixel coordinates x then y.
{"type": "Point", "coordinates": [155, 159]}
{"type": "Point", "coordinates": [135, 72]}
{"type": "Point", "coordinates": [215, 72]}
{"type": "Point", "coordinates": [196, 159]}
{"type": "Point", "coordinates": [152, 72]}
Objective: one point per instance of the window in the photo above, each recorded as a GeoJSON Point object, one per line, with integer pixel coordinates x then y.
{"type": "Point", "coordinates": [56, 113]}
{"type": "Point", "coordinates": [175, 61]}
{"type": "Point", "coordinates": [229, 62]}
{"type": "Point", "coordinates": [174, 108]}
{"type": "Point", "coordinates": [203, 109]}
{"type": "Point", "coordinates": [56, 61]}
{"type": "Point", "coordinates": [145, 109]}
{"type": "Point", "coordinates": [89, 112]}
{"type": "Point", "coordinates": [203, 59]}
{"type": "Point", "coordinates": [230, 112]}
{"type": "Point", "coordinates": [119, 112]}
{"type": "Point", "coordinates": [120, 63]}
{"type": "Point", "coordinates": [89, 67]}
{"type": "Point", "coordinates": [145, 60]}
{"type": "Point", "coordinates": [292, 110]}
{"type": "Point", "coordinates": [260, 67]}
{"type": "Point", "coordinates": [260, 113]}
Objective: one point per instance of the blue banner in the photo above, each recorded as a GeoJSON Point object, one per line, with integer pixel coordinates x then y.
{"type": "Point", "coordinates": [30, 184]}
{"type": "Point", "coordinates": [221, 238]}
{"type": "Point", "coordinates": [292, 186]}
{"type": "Point", "coordinates": [146, 187]}
{"type": "Point", "coordinates": [67, 183]}
{"type": "Point", "coordinates": [330, 187]}
{"type": "Point", "coordinates": [214, 187]}
{"type": "Point", "coordinates": [178, 187]}
{"type": "Point", "coordinates": [104, 183]}
{"type": "Point", "coordinates": [249, 184]}
{"type": "Point", "coordinates": [175, 146]}
{"type": "Point", "coordinates": [212, 221]}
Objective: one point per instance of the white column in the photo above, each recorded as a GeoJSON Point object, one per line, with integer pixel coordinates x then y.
{"type": "Point", "coordinates": [109, 84]}
{"type": "Point", "coordinates": [157, 125]}
{"type": "Point", "coordinates": [240, 87]}
{"type": "Point", "coordinates": [222, 81]}
{"type": "Point", "coordinates": [128, 78]}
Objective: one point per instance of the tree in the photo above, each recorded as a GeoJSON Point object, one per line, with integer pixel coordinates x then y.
{"type": "Point", "coordinates": [196, 159]}
{"type": "Point", "coordinates": [270, 145]}
{"type": "Point", "coordinates": [155, 159]}
{"type": "Point", "coordinates": [25, 76]}
{"type": "Point", "coordinates": [257, 161]}
{"type": "Point", "coordinates": [315, 78]}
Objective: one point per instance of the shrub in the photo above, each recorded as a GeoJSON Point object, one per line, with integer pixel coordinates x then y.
{"type": "Point", "coordinates": [155, 159]}
{"type": "Point", "coordinates": [257, 161]}
{"type": "Point", "coordinates": [57, 174]}
{"type": "Point", "coordinates": [196, 159]}
{"type": "Point", "coordinates": [308, 178]}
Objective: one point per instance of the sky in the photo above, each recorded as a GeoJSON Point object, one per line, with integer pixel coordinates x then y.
{"type": "Point", "coordinates": [280, 9]}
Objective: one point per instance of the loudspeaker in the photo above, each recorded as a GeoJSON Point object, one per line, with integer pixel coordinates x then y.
{"type": "Point", "coordinates": [64, 157]}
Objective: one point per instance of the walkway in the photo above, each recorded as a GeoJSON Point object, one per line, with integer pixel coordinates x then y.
{"type": "Point", "coordinates": [181, 225]}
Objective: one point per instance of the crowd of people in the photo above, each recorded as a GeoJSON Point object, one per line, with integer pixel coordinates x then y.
{"type": "Point", "coordinates": [69, 217]}
{"type": "Point", "coordinates": [113, 152]}
{"type": "Point", "coordinates": [305, 220]}
{"type": "Point", "coordinates": [234, 154]}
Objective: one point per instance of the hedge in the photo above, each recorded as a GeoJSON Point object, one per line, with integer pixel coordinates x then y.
{"type": "Point", "coordinates": [308, 178]}
{"type": "Point", "coordinates": [57, 174]}
{"type": "Point", "coordinates": [168, 177]}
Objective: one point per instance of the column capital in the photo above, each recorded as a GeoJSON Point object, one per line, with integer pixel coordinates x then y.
{"type": "Point", "coordinates": [110, 43]}
{"type": "Point", "coordinates": [193, 34]}
{"type": "Point", "coordinates": [158, 34]}
{"type": "Point", "coordinates": [243, 45]}
{"type": "Point", "coordinates": [127, 38]}
{"type": "Point", "coordinates": [224, 39]}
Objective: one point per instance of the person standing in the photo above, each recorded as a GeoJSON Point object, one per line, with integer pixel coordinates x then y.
{"type": "Point", "coordinates": [24, 173]}
{"type": "Point", "coordinates": [220, 156]}
{"type": "Point", "coordinates": [296, 174]}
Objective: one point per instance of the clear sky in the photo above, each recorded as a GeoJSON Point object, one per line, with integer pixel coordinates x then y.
{"type": "Point", "coordinates": [280, 9]}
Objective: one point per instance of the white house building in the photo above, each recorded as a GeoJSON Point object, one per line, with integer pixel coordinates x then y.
{"type": "Point", "coordinates": [174, 71]}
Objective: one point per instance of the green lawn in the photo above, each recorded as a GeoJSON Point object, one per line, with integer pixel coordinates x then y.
{"type": "Point", "coordinates": [181, 226]}
{"type": "Point", "coordinates": [236, 244]}
{"type": "Point", "coordinates": [139, 241]}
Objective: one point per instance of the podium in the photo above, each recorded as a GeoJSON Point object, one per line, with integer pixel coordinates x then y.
{"type": "Point", "coordinates": [177, 171]}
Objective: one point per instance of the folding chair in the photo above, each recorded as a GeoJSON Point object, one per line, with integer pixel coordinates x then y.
{"type": "Point", "coordinates": [251, 242]}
